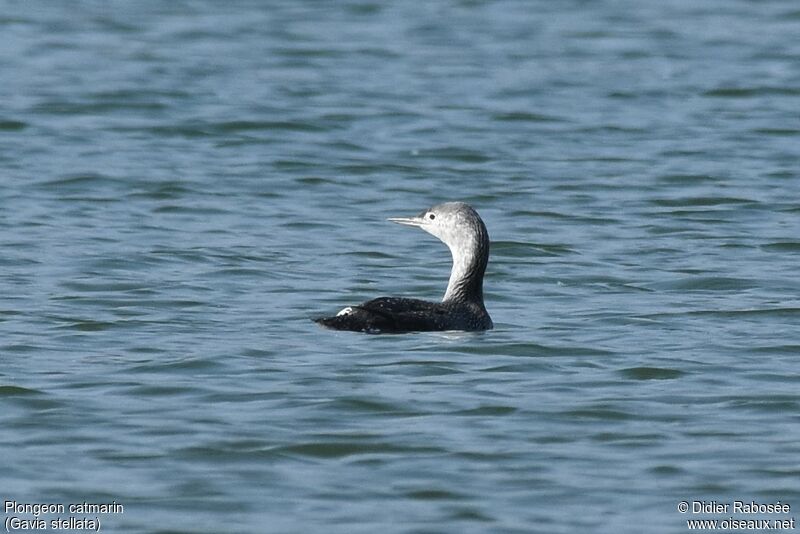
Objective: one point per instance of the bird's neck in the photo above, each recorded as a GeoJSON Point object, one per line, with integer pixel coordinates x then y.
{"type": "Point", "coordinates": [469, 265]}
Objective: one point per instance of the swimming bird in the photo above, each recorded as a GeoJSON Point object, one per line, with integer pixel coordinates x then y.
{"type": "Point", "coordinates": [459, 227]}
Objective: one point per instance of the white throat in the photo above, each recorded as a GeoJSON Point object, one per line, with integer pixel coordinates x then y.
{"type": "Point", "coordinates": [463, 253]}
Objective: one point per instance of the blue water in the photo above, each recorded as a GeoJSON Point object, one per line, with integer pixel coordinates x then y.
{"type": "Point", "coordinates": [185, 184]}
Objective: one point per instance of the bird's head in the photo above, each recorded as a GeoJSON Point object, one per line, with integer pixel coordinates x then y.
{"type": "Point", "coordinates": [454, 223]}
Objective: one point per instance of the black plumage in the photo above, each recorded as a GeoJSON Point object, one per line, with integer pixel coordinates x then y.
{"type": "Point", "coordinates": [395, 314]}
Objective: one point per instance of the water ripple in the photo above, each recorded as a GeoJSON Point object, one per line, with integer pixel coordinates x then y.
{"type": "Point", "coordinates": [185, 185]}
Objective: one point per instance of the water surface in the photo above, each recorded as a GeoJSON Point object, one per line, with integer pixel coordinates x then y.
{"type": "Point", "coordinates": [186, 184]}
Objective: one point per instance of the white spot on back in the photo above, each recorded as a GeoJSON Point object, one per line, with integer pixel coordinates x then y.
{"type": "Point", "coordinates": [347, 311]}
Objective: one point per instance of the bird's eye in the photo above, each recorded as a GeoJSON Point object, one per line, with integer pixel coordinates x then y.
{"type": "Point", "coordinates": [431, 216]}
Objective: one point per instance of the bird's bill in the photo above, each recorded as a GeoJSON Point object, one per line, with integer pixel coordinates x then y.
{"type": "Point", "coordinates": [408, 221]}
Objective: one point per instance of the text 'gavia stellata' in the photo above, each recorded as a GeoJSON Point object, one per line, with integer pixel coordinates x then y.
{"type": "Point", "coordinates": [459, 227]}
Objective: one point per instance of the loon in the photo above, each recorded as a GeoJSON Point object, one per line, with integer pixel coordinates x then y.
{"type": "Point", "coordinates": [459, 227]}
